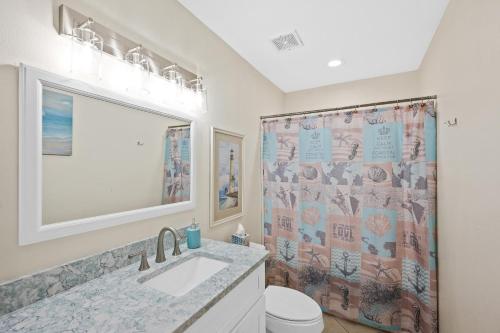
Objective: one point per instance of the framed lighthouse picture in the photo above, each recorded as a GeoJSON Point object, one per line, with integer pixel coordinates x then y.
{"type": "Point", "coordinates": [226, 171]}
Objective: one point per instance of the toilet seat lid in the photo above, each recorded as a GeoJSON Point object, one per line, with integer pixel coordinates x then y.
{"type": "Point", "coordinates": [290, 304]}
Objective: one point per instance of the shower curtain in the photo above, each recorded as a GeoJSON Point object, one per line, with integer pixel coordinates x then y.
{"type": "Point", "coordinates": [350, 213]}
{"type": "Point", "coordinates": [177, 165]}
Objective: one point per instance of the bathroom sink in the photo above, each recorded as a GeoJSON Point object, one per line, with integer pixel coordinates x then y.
{"type": "Point", "coordinates": [182, 278]}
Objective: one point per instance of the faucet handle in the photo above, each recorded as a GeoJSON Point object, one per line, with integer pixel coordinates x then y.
{"type": "Point", "coordinates": [144, 259]}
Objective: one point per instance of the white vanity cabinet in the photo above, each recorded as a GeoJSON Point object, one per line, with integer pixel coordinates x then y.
{"type": "Point", "coordinates": [242, 310]}
{"type": "Point", "coordinates": [254, 320]}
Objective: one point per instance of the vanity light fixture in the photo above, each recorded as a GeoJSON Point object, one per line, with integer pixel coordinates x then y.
{"type": "Point", "coordinates": [334, 63]}
{"type": "Point", "coordinates": [197, 85]}
{"type": "Point", "coordinates": [170, 73]}
{"type": "Point", "coordinates": [113, 43]}
{"type": "Point", "coordinates": [185, 91]}
{"type": "Point", "coordinates": [173, 75]}
{"type": "Point", "coordinates": [87, 36]}
{"type": "Point", "coordinates": [199, 93]}
{"type": "Point", "coordinates": [181, 82]}
{"type": "Point", "coordinates": [87, 47]}
{"type": "Point", "coordinates": [135, 57]}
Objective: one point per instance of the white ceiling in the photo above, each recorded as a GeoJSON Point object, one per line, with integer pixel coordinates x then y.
{"type": "Point", "coordinates": [372, 37]}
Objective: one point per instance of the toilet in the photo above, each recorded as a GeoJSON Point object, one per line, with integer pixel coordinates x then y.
{"type": "Point", "coordinates": [290, 311]}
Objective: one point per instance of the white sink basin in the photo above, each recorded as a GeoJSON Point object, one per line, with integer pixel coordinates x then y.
{"type": "Point", "coordinates": [182, 278]}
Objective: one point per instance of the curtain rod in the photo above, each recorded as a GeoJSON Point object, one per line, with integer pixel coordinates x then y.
{"type": "Point", "coordinates": [350, 107]}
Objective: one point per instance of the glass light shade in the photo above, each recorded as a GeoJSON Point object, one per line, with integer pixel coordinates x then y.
{"type": "Point", "coordinates": [86, 59]}
{"type": "Point", "coordinates": [86, 51]}
{"type": "Point", "coordinates": [137, 59]}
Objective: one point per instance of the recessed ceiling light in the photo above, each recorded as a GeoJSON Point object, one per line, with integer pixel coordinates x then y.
{"type": "Point", "coordinates": [335, 63]}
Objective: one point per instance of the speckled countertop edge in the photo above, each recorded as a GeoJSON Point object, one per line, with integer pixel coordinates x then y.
{"type": "Point", "coordinates": [117, 302]}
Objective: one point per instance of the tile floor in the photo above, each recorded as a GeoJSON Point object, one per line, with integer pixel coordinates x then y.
{"type": "Point", "coordinates": [337, 325]}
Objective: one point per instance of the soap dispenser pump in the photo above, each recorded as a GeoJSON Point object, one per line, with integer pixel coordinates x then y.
{"type": "Point", "coordinates": [193, 235]}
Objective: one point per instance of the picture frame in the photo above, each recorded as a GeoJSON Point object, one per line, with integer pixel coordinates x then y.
{"type": "Point", "coordinates": [227, 153]}
{"type": "Point", "coordinates": [57, 123]}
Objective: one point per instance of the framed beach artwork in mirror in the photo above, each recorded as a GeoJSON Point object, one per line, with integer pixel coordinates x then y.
{"type": "Point", "coordinates": [226, 176]}
{"type": "Point", "coordinates": [57, 123]}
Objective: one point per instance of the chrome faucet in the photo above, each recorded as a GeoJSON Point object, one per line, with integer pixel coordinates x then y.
{"type": "Point", "coordinates": [160, 250]}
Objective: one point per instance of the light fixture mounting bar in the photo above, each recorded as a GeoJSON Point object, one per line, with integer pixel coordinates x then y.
{"type": "Point", "coordinates": [115, 44]}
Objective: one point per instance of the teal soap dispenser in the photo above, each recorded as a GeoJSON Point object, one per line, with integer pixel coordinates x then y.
{"type": "Point", "coordinates": [193, 236]}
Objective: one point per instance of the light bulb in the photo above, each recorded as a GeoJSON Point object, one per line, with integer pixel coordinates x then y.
{"type": "Point", "coordinates": [335, 63]}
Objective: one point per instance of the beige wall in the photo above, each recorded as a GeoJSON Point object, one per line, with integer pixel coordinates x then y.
{"type": "Point", "coordinates": [357, 92]}
{"type": "Point", "coordinates": [107, 172]}
{"type": "Point", "coordinates": [462, 66]}
{"type": "Point", "coordinates": [237, 96]}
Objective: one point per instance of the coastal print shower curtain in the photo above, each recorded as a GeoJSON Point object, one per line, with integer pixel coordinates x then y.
{"type": "Point", "coordinates": [350, 213]}
{"type": "Point", "coordinates": [177, 165]}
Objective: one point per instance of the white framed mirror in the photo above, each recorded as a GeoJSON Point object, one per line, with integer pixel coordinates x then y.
{"type": "Point", "coordinates": [91, 159]}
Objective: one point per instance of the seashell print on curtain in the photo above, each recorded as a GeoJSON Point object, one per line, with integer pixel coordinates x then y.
{"type": "Point", "coordinates": [350, 213]}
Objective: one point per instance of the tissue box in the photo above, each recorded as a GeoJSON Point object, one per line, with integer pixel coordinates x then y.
{"type": "Point", "coordinates": [241, 239]}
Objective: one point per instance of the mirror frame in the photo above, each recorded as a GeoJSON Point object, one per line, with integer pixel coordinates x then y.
{"type": "Point", "coordinates": [31, 228]}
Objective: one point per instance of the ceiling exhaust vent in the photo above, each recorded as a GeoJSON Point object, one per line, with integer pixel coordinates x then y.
{"type": "Point", "coordinates": [288, 42]}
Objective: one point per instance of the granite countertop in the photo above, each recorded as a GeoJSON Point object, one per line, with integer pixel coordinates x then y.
{"type": "Point", "coordinates": [117, 302]}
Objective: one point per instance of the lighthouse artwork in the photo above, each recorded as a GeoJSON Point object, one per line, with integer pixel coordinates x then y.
{"type": "Point", "coordinates": [226, 165]}
{"type": "Point", "coordinates": [228, 174]}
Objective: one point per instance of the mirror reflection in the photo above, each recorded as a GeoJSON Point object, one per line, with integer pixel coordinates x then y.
{"type": "Point", "coordinates": [100, 157]}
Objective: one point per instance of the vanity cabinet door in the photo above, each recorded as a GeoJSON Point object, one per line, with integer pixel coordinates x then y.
{"type": "Point", "coordinates": [255, 320]}
{"type": "Point", "coordinates": [229, 313]}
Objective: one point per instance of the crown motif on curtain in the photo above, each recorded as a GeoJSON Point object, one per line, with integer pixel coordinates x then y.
{"type": "Point", "coordinates": [384, 130]}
